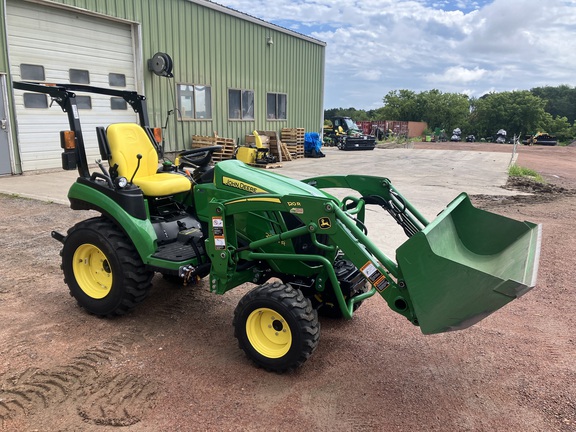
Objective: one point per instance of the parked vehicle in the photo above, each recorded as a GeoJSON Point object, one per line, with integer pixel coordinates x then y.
{"type": "Point", "coordinates": [346, 135]}
{"type": "Point", "coordinates": [456, 135]}
{"type": "Point", "coordinates": [307, 252]}
{"type": "Point", "coordinates": [501, 136]}
{"type": "Point", "coordinates": [540, 138]}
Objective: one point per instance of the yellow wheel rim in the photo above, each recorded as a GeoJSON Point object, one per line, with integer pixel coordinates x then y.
{"type": "Point", "coordinates": [269, 333]}
{"type": "Point", "coordinates": [92, 271]}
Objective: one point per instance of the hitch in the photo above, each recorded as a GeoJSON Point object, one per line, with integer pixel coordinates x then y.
{"type": "Point", "coordinates": [57, 236]}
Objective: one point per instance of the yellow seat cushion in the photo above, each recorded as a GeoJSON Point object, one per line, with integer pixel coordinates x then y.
{"type": "Point", "coordinates": [126, 141]}
{"type": "Point", "coordinates": [163, 184]}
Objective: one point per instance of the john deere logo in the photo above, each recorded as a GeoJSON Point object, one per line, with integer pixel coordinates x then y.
{"type": "Point", "coordinates": [324, 223]}
{"type": "Point", "coordinates": [238, 184]}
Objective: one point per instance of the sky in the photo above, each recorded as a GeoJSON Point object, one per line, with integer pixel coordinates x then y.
{"type": "Point", "coordinates": [458, 46]}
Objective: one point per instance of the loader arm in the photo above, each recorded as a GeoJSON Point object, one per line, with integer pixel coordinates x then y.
{"type": "Point", "coordinates": [449, 274]}
{"type": "Point", "coordinates": [321, 216]}
{"type": "Point", "coordinates": [378, 191]}
{"type": "Point", "coordinates": [462, 266]}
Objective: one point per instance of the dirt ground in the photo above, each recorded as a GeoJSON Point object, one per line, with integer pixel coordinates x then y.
{"type": "Point", "coordinates": [173, 364]}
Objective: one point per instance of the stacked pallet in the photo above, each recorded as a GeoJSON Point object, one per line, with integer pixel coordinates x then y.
{"type": "Point", "coordinates": [293, 139]}
{"type": "Point", "coordinates": [227, 145]}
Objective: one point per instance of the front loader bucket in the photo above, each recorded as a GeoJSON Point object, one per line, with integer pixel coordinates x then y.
{"type": "Point", "coordinates": [466, 264]}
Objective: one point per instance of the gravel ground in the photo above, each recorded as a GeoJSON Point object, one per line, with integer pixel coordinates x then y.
{"type": "Point", "coordinates": [173, 364]}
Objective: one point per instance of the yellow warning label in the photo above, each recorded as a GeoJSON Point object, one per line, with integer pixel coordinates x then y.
{"type": "Point", "coordinates": [374, 276]}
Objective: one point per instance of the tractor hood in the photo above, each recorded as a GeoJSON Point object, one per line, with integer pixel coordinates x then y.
{"type": "Point", "coordinates": [237, 177]}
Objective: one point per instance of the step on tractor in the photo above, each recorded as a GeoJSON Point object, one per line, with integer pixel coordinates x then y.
{"type": "Point", "coordinates": [306, 251]}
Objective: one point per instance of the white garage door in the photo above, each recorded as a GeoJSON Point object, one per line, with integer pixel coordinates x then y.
{"type": "Point", "coordinates": [53, 45]}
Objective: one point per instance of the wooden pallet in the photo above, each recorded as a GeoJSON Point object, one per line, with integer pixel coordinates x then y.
{"type": "Point", "coordinates": [295, 148]}
{"type": "Point", "coordinates": [285, 152]}
{"type": "Point", "coordinates": [292, 134]}
{"type": "Point", "coordinates": [293, 139]}
{"type": "Point", "coordinates": [267, 166]}
{"type": "Point", "coordinates": [227, 144]}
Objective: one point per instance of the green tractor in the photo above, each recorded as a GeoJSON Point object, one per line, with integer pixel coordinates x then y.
{"type": "Point", "coordinates": [306, 251]}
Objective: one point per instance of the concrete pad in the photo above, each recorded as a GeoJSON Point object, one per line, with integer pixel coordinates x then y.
{"type": "Point", "coordinates": [51, 186]}
{"type": "Point", "coordinates": [429, 179]}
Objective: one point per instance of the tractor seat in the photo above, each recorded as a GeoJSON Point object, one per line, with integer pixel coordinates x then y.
{"type": "Point", "coordinates": [126, 141]}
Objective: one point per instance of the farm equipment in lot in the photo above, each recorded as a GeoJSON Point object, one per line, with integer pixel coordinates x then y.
{"type": "Point", "coordinates": [500, 137]}
{"type": "Point", "coordinates": [255, 154]}
{"type": "Point", "coordinates": [346, 135]}
{"type": "Point", "coordinates": [540, 138]}
{"type": "Point", "coordinates": [307, 252]}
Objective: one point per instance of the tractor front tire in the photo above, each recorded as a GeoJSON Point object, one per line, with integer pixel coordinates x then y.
{"type": "Point", "coordinates": [276, 327]}
{"type": "Point", "coordinates": [103, 269]}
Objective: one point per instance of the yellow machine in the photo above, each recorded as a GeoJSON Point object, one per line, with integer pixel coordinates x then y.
{"type": "Point", "coordinates": [255, 154]}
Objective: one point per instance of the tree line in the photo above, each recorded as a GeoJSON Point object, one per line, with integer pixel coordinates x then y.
{"type": "Point", "coordinates": [546, 109]}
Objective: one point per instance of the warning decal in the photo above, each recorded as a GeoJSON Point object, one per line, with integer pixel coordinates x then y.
{"type": "Point", "coordinates": [375, 276]}
{"type": "Point", "coordinates": [218, 232]}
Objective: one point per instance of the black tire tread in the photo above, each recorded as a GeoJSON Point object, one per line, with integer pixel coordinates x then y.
{"type": "Point", "coordinates": [301, 308]}
{"type": "Point", "coordinates": [137, 278]}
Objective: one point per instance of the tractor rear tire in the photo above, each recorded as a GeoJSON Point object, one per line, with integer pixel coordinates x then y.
{"type": "Point", "coordinates": [103, 269]}
{"type": "Point", "coordinates": [276, 327]}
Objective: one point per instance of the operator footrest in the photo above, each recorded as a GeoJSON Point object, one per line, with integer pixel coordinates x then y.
{"type": "Point", "coordinates": [175, 251]}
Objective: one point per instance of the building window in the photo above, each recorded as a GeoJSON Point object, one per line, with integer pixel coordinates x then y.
{"type": "Point", "coordinates": [194, 102]}
{"type": "Point", "coordinates": [240, 104]}
{"type": "Point", "coordinates": [84, 102]}
{"type": "Point", "coordinates": [118, 103]}
{"type": "Point", "coordinates": [35, 100]}
{"type": "Point", "coordinates": [32, 72]}
{"type": "Point", "coordinates": [79, 76]}
{"type": "Point", "coordinates": [117, 80]}
{"type": "Point", "coordinates": [276, 106]}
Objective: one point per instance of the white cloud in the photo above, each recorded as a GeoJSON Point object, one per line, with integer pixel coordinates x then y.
{"type": "Point", "coordinates": [369, 74]}
{"type": "Point", "coordinates": [452, 45]}
{"type": "Point", "coordinates": [458, 75]}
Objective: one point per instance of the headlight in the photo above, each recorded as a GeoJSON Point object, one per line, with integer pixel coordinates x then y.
{"type": "Point", "coordinates": [121, 182]}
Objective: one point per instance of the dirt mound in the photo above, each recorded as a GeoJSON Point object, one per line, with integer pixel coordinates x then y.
{"type": "Point", "coordinates": [531, 186]}
{"type": "Point", "coordinates": [539, 192]}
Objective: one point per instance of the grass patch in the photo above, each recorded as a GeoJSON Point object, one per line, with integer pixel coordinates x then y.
{"type": "Point", "coordinates": [518, 171]}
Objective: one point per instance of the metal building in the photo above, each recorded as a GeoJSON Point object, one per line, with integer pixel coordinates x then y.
{"type": "Point", "coordinates": [232, 73]}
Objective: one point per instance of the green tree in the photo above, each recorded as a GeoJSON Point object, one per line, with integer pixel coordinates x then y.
{"type": "Point", "coordinates": [445, 110]}
{"type": "Point", "coordinates": [560, 100]}
{"type": "Point", "coordinates": [353, 113]}
{"type": "Point", "coordinates": [440, 110]}
{"type": "Point", "coordinates": [550, 109]}
{"type": "Point", "coordinates": [557, 126]}
{"type": "Point", "coordinates": [517, 112]}
{"type": "Point", "coordinates": [401, 105]}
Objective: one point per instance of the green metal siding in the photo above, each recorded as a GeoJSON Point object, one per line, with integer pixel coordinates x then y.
{"type": "Point", "coordinates": [224, 51]}
{"type": "Point", "coordinates": [3, 41]}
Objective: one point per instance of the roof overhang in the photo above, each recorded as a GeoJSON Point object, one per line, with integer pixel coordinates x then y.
{"type": "Point", "coordinates": [250, 18]}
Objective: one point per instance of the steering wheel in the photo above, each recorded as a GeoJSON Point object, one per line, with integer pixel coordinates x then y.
{"type": "Point", "coordinates": [198, 157]}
